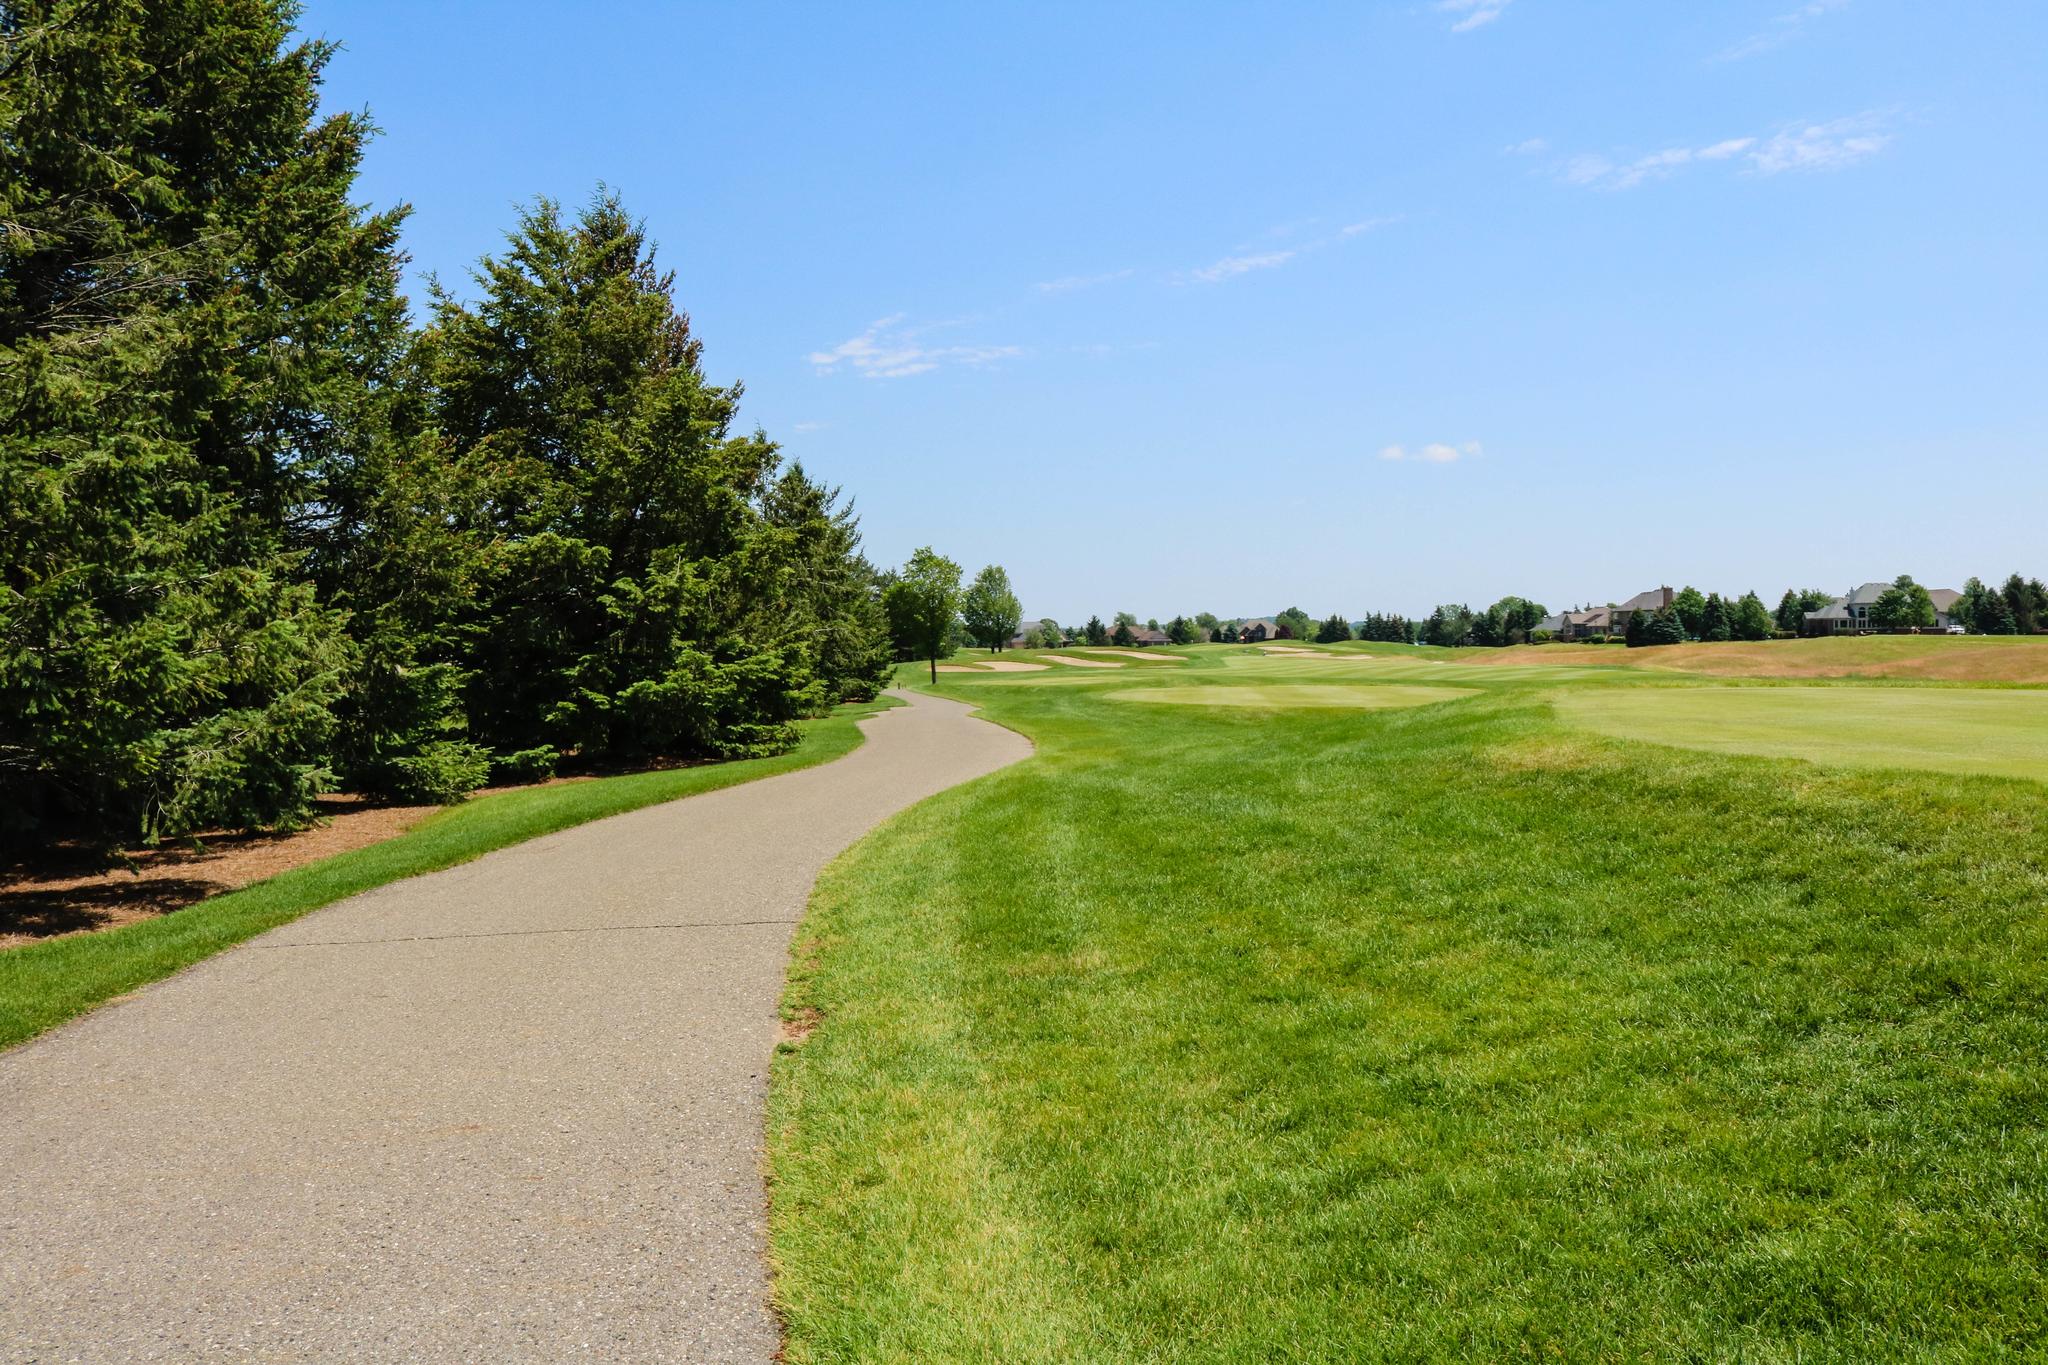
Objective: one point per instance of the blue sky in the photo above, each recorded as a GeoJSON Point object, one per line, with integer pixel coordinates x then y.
{"type": "Point", "coordinates": [1355, 306]}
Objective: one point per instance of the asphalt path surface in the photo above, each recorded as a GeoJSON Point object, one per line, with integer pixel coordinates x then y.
{"type": "Point", "coordinates": [509, 1111]}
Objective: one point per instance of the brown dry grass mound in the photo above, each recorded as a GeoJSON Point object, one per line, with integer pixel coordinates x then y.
{"type": "Point", "coordinates": [1933, 658]}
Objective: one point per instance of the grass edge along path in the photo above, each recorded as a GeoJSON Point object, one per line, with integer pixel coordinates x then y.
{"type": "Point", "coordinates": [1429, 1034]}
{"type": "Point", "coordinates": [44, 984]}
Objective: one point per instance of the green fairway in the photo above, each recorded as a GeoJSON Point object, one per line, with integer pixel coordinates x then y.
{"type": "Point", "coordinates": [1999, 733]}
{"type": "Point", "coordinates": [1434, 1033]}
{"type": "Point", "coordinates": [1284, 697]}
{"type": "Point", "coordinates": [43, 984]}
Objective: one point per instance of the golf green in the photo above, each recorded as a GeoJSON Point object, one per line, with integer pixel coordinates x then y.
{"type": "Point", "coordinates": [1295, 696]}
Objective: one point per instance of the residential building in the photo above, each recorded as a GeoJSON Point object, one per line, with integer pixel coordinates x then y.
{"type": "Point", "coordinates": [1850, 614]}
{"type": "Point", "coordinates": [1255, 631]}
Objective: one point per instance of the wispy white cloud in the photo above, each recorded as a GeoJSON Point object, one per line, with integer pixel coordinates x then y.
{"type": "Point", "coordinates": [1068, 283]}
{"type": "Point", "coordinates": [1231, 266]}
{"type": "Point", "coordinates": [1368, 224]}
{"type": "Point", "coordinates": [1436, 452]}
{"type": "Point", "coordinates": [1781, 30]}
{"type": "Point", "coordinates": [1472, 13]}
{"type": "Point", "coordinates": [1822, 146]}
{"type": "Point", "coordinates": [889, 350]}
{"type": "Point", "coordinates": [809, 426]}
{"type": "Point", "coordinates": [1803, 147]}
{"type": "Point", "coordinates": [1527, 147]}
{"type": "Point", "coordinates": [1247, 258]}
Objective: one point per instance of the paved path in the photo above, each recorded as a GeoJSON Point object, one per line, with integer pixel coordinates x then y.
{"type": "Point", "coordinates": [510, 1111]}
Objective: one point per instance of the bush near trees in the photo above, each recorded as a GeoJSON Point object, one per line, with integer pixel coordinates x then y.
{"type": "Point", "coordinates": [262, 537]}
{"type": "Point", "coordinates": [1182, 631]}
{"type": "Point", "coordinates": [1095, 633]}
{"type": "Point", "coordinates": [1122, 636]}
{"type": "Point", "coordinates": [1333, 630]}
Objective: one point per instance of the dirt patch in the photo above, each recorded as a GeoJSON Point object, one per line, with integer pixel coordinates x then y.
{"type": "Point", "coordinates": [798, 1027]}
{"type": "Point", "coordinates": [71, 890]}
{"type": "Point", "coordinates": [1072, 662]}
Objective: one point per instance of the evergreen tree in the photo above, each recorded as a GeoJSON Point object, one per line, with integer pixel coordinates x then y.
{"type": "Point", "coordinates": [1182, 631]}
{"type": "Point", "coordinates": [1691, 606]}
{"type": "Point", "coordinates": [193, 312]}
{"type": "Point", "coordinates": [1122, 636]}
{"type": "Point", "coordinates": [1664, 628]}
{"type": "Point", "coordinates": [629, 594]}
{"type": "Point", "coordinates": [1333, 630]}
{"type": "Point", "coordinates": [1636, 633]}
{"type": "Point", "coordinates": [1095, 632]}
{"type": "Point", "coordinates": [2027, 604]}
{"type": "Point", "coordinates": [1751, 619]}
{"type": "Point", "coordinates": [1714, 622]}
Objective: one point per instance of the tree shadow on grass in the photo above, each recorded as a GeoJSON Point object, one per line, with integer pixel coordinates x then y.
{"type": "Point", "coordinates": [45, 912]}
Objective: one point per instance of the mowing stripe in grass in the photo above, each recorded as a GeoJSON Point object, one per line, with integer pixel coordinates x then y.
{"type": "Point", "coordinates": [44, 984]}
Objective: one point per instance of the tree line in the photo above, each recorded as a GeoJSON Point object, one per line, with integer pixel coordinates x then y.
{"type": "Point", "coordinates": [264, 533]}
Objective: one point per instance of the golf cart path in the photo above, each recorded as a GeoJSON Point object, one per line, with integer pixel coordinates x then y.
{"type": "Point", "coordinates": [509, 1111]}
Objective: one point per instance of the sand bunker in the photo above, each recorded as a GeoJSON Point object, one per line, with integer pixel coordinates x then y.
{"type": "Point", "coordinates": [1072, 662]}
{"type": "Point", "coordinates": [1148, 656]}
{"type": "Point", "coordinates": [1294, 653]}
{"type": "Point", "coordinates": [961, 668]}
{"type": "Point", "coordinates": [1014, 666]}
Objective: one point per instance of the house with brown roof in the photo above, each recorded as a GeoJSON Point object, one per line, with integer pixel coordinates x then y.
{"type": "Point", "coordinates": [1608, 620]}
{"type": "Point", "coordinates": [1258, 630]}
{"type": "Point", "coordinates": [1849, 614]}
{"type": "Point", "coordinates": [1145, 635]}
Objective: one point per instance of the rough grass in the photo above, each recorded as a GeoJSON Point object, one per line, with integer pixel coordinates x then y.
{"type": "Point", "coordinates": [1433, 1034]}
{"type": "Point", "coordinates": [43, 984]}
{"type": "Point", "coordinates": [2001, 733]}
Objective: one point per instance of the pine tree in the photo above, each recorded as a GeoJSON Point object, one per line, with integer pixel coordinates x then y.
{"type": "Point", "coordinates": [192, 315]}
{"type": "Point", "coordinates": [1714, 619]}
{"type": "Point", "coordinates": [629, 596]}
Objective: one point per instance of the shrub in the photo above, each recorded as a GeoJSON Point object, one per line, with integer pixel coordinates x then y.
{"type": "Point", "coordinates": [528, 765]}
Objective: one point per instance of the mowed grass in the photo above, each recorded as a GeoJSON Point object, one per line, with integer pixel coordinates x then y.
{"type": "Point", "coordinates": [1445, 1033]}
{"type": "Point", "coordinates": [1286, 697]}
{"type": "Point", "coordinates": [43, 984]}
{"type": "Point", "coordinates": [2001, 733]}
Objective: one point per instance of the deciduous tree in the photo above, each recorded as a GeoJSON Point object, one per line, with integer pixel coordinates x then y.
{"type": "Point", "coordinates": [990, 610]}
{"type": "Point", "coordinates": [923, 602]}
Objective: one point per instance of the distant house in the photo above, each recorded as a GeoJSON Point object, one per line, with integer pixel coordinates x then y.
{"type": "Point", "coordinates": [1024, 632]}
{"type": "Point", "coordinates": [1608, 620]}
{"type": "Point", "coordinates": [1653, 601]}
{"type": "Point", "coordinates": [1850, 615]}
{"type": "Point", "coordinates": [1144, 635]}
{"type": "Point", "coordinates": [1258, 631]}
